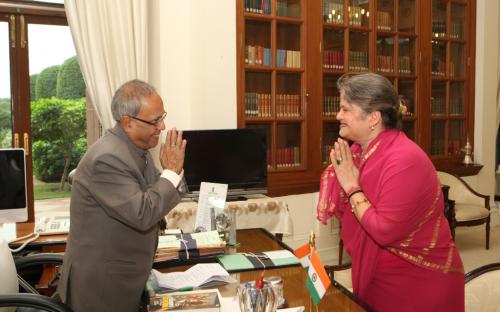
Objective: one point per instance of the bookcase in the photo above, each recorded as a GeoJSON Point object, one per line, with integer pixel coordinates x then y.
{"type": "Point", "coordinates": [290, 54]}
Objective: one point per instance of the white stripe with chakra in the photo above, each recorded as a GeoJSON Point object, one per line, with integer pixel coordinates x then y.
{"type": "Point", "coordinates": [318, 285]}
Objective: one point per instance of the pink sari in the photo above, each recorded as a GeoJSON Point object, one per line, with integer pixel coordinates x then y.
{"type": "Point", "coordinates": [405, 219]}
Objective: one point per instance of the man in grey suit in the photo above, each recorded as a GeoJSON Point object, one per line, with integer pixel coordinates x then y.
{"type": "Point", "coordinates": [118, 198]}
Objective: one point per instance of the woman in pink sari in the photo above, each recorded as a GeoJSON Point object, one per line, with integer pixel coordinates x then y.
{"type": "Point", "coordinates": [385, 191]}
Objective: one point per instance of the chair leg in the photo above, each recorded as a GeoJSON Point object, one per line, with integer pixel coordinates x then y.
{"type": "Point", "coordinates": [488, 234]}
{"type": "Point", "coordinates": [341, 250]}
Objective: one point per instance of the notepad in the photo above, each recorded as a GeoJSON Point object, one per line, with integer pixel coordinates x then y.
{"type": "Point", "coordinates": [261, 260]}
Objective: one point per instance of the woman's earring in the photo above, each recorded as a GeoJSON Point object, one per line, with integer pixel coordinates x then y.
{"type": "Point", "coordinates": [372, 127]}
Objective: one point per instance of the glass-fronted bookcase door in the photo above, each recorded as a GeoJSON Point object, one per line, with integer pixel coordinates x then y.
{"type": "Point", "coordinates": [449, 82]}
{"type": "Point", "coordinates": [272, 78]}
{"type": "Point", "coordinates": [350, 30]}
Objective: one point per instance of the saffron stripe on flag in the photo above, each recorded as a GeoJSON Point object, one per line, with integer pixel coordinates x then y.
{"type": "Point", "coordinates": [302, 253]}
{"type": "Point", "coordinates": [319, 278]}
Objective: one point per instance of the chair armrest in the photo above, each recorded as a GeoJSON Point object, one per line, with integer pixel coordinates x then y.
{"type": "Point", "coordinates": [32, 301]}
{"type": "Point", "coordinates": [485, 197]}
{"type": "Point", "coordinates": [38, 259]}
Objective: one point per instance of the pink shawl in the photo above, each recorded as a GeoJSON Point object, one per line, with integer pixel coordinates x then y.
{"type": "Point", "coordinates": [406, 214]}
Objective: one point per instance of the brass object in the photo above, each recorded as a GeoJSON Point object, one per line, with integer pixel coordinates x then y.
{"type": "Point", "coordinates": [23, 32]}
{"type": "Point", "coordinates": [12, 22]}
{"type": "Point", "coordinates": [468, 153]}
{"type": "Point", "coordinates": [26, 144]}
{"type": "Point", "coordinates": [16, 140]}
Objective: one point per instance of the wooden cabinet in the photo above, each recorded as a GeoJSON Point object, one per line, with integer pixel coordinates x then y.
{"type": "Point", "coordinates": [291, 52]}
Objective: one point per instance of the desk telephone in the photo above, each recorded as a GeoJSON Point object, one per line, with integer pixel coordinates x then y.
{"type": "Point", "coordinates": [52, 225]}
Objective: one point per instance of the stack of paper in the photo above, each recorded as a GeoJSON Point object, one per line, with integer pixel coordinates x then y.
{"type": "Point", "coordinates": [199, 275]}
{"type": "Point", "coordinates": [188, 246]}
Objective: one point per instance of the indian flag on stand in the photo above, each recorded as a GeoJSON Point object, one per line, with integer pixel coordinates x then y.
{"type": "Point", "coordinates": [317, 280]}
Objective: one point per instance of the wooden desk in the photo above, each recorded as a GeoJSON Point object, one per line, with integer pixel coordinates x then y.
{"type": "Point", "coordinates": [337, 297]}
{"type": "Point", "coordinates": [44, 243]}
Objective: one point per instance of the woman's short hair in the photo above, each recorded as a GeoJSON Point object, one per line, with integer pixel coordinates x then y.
{"type": "Point", "coordinates": [373, 92]}
{"type": "Point", "coordinates": [127, 99]}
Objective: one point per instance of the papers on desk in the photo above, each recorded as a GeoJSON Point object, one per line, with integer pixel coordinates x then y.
{"type": "Point", "coordinates": [199, 275]}
{"type": "Point", "coordinates": [259, 260]}
{"type": "Point", "coordinates": [187, 246]}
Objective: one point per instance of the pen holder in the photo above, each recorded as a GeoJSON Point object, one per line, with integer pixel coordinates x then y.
{"type": "Point", "coordinates": [253, 299]}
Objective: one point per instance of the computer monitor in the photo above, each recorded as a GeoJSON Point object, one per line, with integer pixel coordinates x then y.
{"type": "Point", "coordinates": [236, 157]}
{"type": "Point", "coordinates": [13, 190]}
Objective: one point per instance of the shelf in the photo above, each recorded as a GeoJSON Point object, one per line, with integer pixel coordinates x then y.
{"type": "Point", "coordinates": [425, 48]}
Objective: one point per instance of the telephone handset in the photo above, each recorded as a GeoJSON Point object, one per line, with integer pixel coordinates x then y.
{"type": "Point", "coordinates": [52, 225]}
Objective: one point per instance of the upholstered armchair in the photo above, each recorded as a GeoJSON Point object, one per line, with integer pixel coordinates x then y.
{"type": "Point", "coordinates": [466, 207]}
{"type": "Point", "coordinates": [482, 288]}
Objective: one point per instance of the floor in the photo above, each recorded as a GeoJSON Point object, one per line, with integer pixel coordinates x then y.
{"type": "Point", "coordinates": [470, 240]}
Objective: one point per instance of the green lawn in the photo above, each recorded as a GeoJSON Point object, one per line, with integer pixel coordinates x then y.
{"type": "Point", "coordinates": [50, 190]}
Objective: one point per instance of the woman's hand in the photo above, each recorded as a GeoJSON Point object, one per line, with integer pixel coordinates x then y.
{"type": "Point", "coordinates": [347, 173]}
{"type": "Point", "coordinates": [172, 151]}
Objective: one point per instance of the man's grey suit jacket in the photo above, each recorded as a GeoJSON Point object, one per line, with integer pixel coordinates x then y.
{"type": "Point", "coordinates": [117, 201]}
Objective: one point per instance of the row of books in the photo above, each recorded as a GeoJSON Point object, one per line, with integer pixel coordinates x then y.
{"type": "Point", "coordinates": [258, 6]}
{"type": "Point", "coordinates": [358, 61]}
{"type": "Point", "coordinates": [438, 105]}
{"type": "Point", "coordinates": [333, 59]}
{"type": "Point", "coordinates": [385, 63]}
{"type": "Point", "coordinates": [257, 104]}
{"type": "Point", "coordinates": [456, 30]}
{"type": "Point", "coordinates": [438, 67]}
{"type": "Point", "coordinates": [333, 12]}
{"type": "Point", "coordinates": [437, 145]}
{"type": "Point", "coordinates": [185, 246]}
{"type": "Point", "coordinates": [331, 105]}
{"type": "Point", "coordinates": [288, 58]}
{"type": "Point", "coordinates": [257, 55]}
{"type": "Point", "coordinates": [405, 64]}
{"type": "Point", "coordinates": [286, 8]}
{"type": "Point", "coordinates": [288, 105]}
{"type": "Point", "coordinates": [456, 106]}
{"type": "Point", "coordinates": [384, 21]}
{"type": "Point", "coordinates": [356, 15]}
{"type": "Point", "coordinates": [288, 157]}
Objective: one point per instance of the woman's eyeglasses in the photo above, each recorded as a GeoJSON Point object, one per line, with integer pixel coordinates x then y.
{"type": "Point", "coordinates": [154, 122]}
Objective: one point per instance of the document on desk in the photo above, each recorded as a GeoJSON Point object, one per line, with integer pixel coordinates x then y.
{"type": "Point", "coordinates": [258, 260]}
{"type": "Point", "coordinates": [198, 276]}
{"type": "Point", "coordinates": [211, 201]}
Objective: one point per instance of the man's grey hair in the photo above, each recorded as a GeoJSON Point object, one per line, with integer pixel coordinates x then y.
{"type": "Point", "coordinates": [128, 98]}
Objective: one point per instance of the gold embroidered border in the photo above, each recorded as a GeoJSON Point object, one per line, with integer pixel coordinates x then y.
{"type": "Point", "coordinates": [432, 208]}
{"type": "Point", "coordinates": [420, 261]}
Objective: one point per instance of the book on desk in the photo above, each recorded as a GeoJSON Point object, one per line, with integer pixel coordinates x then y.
{"type": "Point", "coordinates": [191, 245]}
{"type": "Point", "coordinates": [207, 300]}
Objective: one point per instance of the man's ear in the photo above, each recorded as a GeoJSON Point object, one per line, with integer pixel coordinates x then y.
{"type": "Point", "coordinates": [125, 122]}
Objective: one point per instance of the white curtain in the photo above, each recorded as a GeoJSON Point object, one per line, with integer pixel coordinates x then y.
{"type": "Point", "coordinates": [111, 42]}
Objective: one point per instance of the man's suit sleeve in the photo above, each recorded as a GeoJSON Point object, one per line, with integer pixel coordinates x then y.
{"type": "Point", "coordinates": [116, 188]}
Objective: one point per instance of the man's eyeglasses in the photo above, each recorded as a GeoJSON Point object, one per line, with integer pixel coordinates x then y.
{"type": "Point", "coordinates": [154, 122]}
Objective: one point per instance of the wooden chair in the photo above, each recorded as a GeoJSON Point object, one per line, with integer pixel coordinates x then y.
{"type": "Point", "coordinates": [340, 273]}
{"type": "Point", "coordinates": [482, 288]}
{"type": "Point", "coordinates": [465, 207]}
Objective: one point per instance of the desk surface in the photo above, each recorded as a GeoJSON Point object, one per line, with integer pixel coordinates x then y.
{"type": "Point", "coordinates": [337, 297]}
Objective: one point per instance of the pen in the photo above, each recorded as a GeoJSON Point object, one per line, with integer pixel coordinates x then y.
{"type": "Point", "coordinates": [185, 288]}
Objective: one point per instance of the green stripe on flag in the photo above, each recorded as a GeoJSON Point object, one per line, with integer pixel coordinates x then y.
{"type": "Point", "coordinates": [312, 290]}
